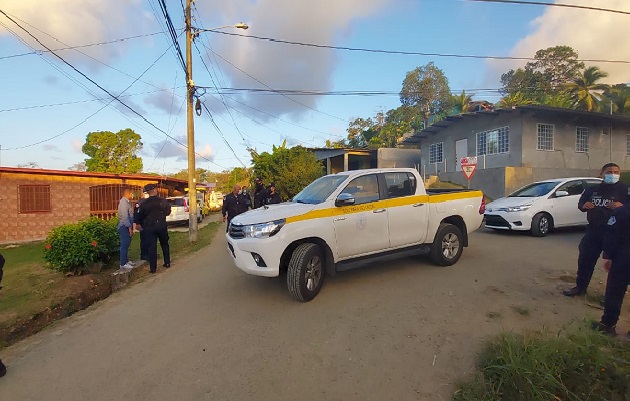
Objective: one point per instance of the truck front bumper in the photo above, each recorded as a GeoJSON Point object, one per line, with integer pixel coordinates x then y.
{"type": "Point", "coordinates": [257, 256]}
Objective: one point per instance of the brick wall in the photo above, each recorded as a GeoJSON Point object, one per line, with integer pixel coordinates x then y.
{"type": "Point", "coordinates": [70, 202]}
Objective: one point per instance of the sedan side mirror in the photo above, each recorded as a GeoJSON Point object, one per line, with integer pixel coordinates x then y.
{"type": "Point", "coordinates": [344, 199]}
{"type": "Point", "coordinates": [560, 194]}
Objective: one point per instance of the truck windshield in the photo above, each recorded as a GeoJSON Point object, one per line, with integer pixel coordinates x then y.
{"type": "Point", "coordinates": [320, 189]}
{"type": "Point", "coordinates": [535, 189]}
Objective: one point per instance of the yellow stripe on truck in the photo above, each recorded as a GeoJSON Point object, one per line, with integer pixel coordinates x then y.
{"type": "Point", "coordinates": [394, 202]}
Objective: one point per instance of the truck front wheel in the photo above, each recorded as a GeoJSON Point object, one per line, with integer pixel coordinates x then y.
{"type": "Point", "coordinates": [447, 246]}
{"type": "Point", "coordinates": [306, 273]}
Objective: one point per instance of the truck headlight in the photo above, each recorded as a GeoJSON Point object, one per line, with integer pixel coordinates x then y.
{"type": "Point", "coordinates": [263, 230]}
{"type": "Point", "coordinates": [520, 208]}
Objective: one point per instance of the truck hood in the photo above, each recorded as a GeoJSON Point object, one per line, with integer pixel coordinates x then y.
{"type": "Point", "coordinates": [273, 212]}
{"type": "Point", "coordinates": [510, 202]}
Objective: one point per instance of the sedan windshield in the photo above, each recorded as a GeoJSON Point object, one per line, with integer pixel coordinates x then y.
{"type": "Point", "coordinates": [535, 189]}
{"type": "Point", "coordinates": [320, 189]}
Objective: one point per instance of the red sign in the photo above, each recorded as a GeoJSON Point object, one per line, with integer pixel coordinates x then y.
{"type": "Point", "coordinates": [469, 165]}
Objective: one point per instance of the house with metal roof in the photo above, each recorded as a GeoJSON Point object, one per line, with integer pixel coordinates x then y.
{"type": "Point", "coordinates": [519, 145]}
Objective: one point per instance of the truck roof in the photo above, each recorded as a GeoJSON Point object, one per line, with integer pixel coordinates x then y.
{"type": "Point", "coordinates": [377, 170]}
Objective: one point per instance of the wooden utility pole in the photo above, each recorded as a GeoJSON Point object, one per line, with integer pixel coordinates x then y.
{"type": "Point", "coordinates": [190, 91]}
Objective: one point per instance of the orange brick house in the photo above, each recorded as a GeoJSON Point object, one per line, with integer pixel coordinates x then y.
{"type": "Point", "coordinates": [33, 201]}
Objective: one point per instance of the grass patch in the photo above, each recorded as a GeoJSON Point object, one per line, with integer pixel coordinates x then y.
{"type": "Point", "coordinates": [571, 365]}
{"type": "Point", "coordinates": [29, 287]}
{"type": "Point", "coordinates": [521, 310]}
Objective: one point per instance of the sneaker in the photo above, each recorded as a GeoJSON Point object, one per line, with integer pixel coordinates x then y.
{"type": "Point", "coordinates": [127, 265]}
{"type": "Point", "coordinates": [573, 292]}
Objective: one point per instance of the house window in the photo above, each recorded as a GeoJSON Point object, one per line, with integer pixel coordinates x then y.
{"type": "Point", "coordinates": [436, 154]}
{"type": "Point", "coordinates": [34, 198]}
{"type": "Point", "coordinates": [493, 141]}
{"type": "Point", "coordinates": [581, 139]}
{"type": "Point", "coordinates": [545, 137]}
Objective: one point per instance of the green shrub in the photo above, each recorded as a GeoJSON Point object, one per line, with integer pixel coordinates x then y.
{"type": "Point", "coordinates": [72, 247]}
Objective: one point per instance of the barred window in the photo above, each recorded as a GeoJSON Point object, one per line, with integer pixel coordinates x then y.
{"type": "Point", "coordinates": [545, 137]}
{"type": "Point", "coordinates": [581, 139]}
{"type": "Point", "coordinates": [436, 154]}
{"type": "Point", "coordinates": [493, 141]}
{"type": "Point", "coordinates": [34, 198]}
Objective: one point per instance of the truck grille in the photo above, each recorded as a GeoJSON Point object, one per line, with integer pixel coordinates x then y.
{"type": "Point", "coordinates": [496, 221]}
{"type": "Point", "coordinates": [236, 231]}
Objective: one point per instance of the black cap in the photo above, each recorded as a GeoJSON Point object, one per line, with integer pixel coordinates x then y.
{"type": "Point", "coordinates": [273, 184]}
{"type": "Point", "coordinates": [149, 187]}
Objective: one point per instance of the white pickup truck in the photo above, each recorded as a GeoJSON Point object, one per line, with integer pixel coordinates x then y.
{"type": "Point", "coordinates": [345, 220]}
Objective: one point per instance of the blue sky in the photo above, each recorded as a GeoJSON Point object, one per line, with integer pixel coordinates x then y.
{"type": "Point", "coordinates": [31, 130]}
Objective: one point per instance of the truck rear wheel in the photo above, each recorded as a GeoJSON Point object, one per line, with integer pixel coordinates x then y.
{"type": "Point", "coordinates": [306, 272]}
{"type": "Point", "coordinates": [447, 246]}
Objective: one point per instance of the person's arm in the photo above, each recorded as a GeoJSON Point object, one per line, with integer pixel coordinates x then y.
{"type": "Point", "coordinates": [613, 234]}
{"type": "Point", "coordinates": [166, 207]}
{"type": "Point", "coordinates": [123, 214]}
{"type": "Point", "coordinates": [584, 203]}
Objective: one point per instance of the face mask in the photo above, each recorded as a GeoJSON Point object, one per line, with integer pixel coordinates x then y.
{"type": "Point", "coordinates": [240, 192]}
{"type": "Point", "coordinates": [611, 178]}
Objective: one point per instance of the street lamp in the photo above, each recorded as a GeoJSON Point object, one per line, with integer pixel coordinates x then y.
{"type": "Point", "coordinates": [191, 32]}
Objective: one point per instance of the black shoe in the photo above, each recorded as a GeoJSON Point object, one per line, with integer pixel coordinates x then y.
{"type": "Point", "coordinates": [167, 265]}
{"type": "Point", "coordinates": [601, 327]}
{"type": "Point", "coordinates": [152, 271]}
{"type": "Point", "coordinates": [3, 369]}
{"type": "Point", "coordinates": [573, 292]}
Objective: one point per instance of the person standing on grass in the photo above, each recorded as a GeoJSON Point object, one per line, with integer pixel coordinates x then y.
{"type": "Point", "coordinates": [3, 368]}
{"type": "Point", "coordinates": [125, 227]}
{"type": "Point", "coordinates": [152, 218]}
{"type": "Point", "coordinates": [616, 259]}
{"type": "Point", "coordinates": [598, 202]}
{"type": "Point", "coordinates": [144, 249]}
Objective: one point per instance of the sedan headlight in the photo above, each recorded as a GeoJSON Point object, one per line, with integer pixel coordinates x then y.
{"type": "Point", "coordinates": [263, 230]}
{"type": "Point", "coordinates": [520, 208]}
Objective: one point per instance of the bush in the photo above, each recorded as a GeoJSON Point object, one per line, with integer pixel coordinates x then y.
{"type": "Point", "coordinates": [72, 247]}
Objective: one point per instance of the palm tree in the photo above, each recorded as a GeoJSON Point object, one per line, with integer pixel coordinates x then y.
{"type": "Point", "coordinates": [584, 91]}
{"type": "Point", "coordinates": [461, 103]}
{"type": "Point", "coordinates": [514, 99]}
{"type": "Point", "coordinates": [619, 96]}
{"type": "Point", "coordinates": [561, 100]}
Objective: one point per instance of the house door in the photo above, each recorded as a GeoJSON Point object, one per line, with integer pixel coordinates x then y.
{"type": "Point", "coordinates": [461, 150]}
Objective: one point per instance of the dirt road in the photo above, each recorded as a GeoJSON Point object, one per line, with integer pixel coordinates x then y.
{"type": "Point", "coordinates": [205, 331]}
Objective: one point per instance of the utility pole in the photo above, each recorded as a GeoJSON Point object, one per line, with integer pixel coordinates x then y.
{"type": "Point", "coordinates": [190, 91]}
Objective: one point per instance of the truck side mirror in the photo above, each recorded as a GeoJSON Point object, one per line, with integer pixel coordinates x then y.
{"type": "Point", "coordinates": [344, 199]}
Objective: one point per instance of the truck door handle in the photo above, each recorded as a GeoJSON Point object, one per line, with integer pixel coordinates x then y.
{"type": "Point", "coordinates": [418, 204]}
{"type": "Point", "coordinates": [379, 211]}
{"type": "Point", "coordinates": [339, 219]}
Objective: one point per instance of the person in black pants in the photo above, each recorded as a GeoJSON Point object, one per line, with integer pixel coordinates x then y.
{"type": "Point", "coordinates": [144, 247]}
{"type": "Point", "coordinates": [617, 263]}
{"type": "Point", "coordinates": [233, 205]}
{"type": "Point", "coordinates": [3, 368]}
{"type": "Point", "coordinates": [152, 217]}
{"type": "Point", "coordinates": [598, 202]}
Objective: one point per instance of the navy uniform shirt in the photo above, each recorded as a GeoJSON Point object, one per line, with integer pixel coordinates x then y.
{"type": "Point", "coordinates": [153, 211]}
{"type": "Point", "coordinates": [601, 196]}
{"type": "Point", "coordinates": [617, 238]}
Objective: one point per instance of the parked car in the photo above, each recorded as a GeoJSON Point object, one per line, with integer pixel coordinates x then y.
{"type": "Point", "coordinates": [342, 221]}
{"type": "Point", "coordinates": [540, 207]}
{"type": "Point", "coordinates": [180, 210]}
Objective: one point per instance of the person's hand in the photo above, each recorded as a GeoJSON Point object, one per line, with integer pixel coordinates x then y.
{"type": "Point", "coordinates": [224, 219]}
{"type": "Point", "coordinates": [614, 205]}
{"type": "Point", "coordinates": [606, 265]}
{"type": "Point", "coordinates": [130, 231]}
{"type": "Point", "coordinates": [588, 206]}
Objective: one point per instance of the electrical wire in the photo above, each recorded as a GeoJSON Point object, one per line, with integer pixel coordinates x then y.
{"type": "Point", "coordinates": [173, 33]}
{"type": "Point", "coordinates": [542, 3]}
{"type": "Point", "coordinates": [221, 134]}
{"type": "Point", "coordinates": [406, 53]}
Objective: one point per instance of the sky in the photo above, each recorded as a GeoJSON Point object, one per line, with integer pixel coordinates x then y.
{"type": "Point", "coordinates": [255, 92]}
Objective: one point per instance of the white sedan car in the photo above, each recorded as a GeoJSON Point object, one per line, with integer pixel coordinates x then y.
{"type": "Point", "coordinates": [540, 207]}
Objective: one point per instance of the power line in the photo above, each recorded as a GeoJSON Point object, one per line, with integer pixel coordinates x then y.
{"type": "Point", "coordinates": [542, 3]}
{"type": "Point", "coordinates": [221, 133]}
{"type": "Point", "coordinates": [173, 33]}
{"type": "Point", "coordinates": [406, 53]}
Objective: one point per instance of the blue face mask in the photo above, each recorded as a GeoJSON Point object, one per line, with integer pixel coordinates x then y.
{"type": "Point", "coordinates": [611, 178]}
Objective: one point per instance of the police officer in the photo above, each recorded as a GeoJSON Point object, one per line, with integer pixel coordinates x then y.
{"type": "Point", "coordinates": [273, 197]}
{"type": "Point", "coordinates": [152, 217]}
{"type": "Point", "coordinates": [617, 263]}
{"type": "Point", "coordinates": [260, 194]}
{"type": "Point", "coordinates": [598, 202]}
{"type": "Point", "coordinates": [247, 197]}
{"type": "Point", "coordinates": [233, 205]}
{"type": "Point", "coordinates": [144, 247]}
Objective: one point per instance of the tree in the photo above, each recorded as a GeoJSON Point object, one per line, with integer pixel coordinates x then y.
{"type": "Point", "coordinates": [514, 99]}
{"type": "Point", "coordinates": [113, 153]}
{"type": "Point", "coordinates": [29, 165]}
{"type": "Point", "coordinates": [584, 91]}
{"type": "Point", "coordinates": [290, 168]}
{"type": "Point", "coordinates": [619, 96]}
{"type": "Point", "coordinates": [426, 88]}
{"type": "Point", "coordinates": [80, 166]}
{"type": "Point", "coordinates": [461, 103]}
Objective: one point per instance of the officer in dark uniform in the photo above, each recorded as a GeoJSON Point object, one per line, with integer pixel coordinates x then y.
{"type": "Point", "coordinates": [152, 216]}
{"type": "Point", "coordinates": [273, 197]}
{"type": "Point", "coordinates": [144, 247]}
{"type": "Point", "coordinates": [598, 202]}
{"type": "Point", "coordinates": [233, 205]}
{"type": "Point", "coordinates": [260, 194]}
{"type": "Point", "coordinates": [617, 263]}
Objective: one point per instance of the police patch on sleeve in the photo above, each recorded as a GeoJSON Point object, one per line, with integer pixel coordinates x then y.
{"type": "Point", "coordinates": [612, 220]}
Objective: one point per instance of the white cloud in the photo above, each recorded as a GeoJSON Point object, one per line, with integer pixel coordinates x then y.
{"type": "Point", "coordinates": [282, 66]}
{"type": "Point", "coordinates": [77, 145]}
{"type": "Point", "coordinates": [593, 34]}
{"type": "Point", "coordinates": [168, 148]}
{"type": "Point", "coordinates": [58, 23]}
